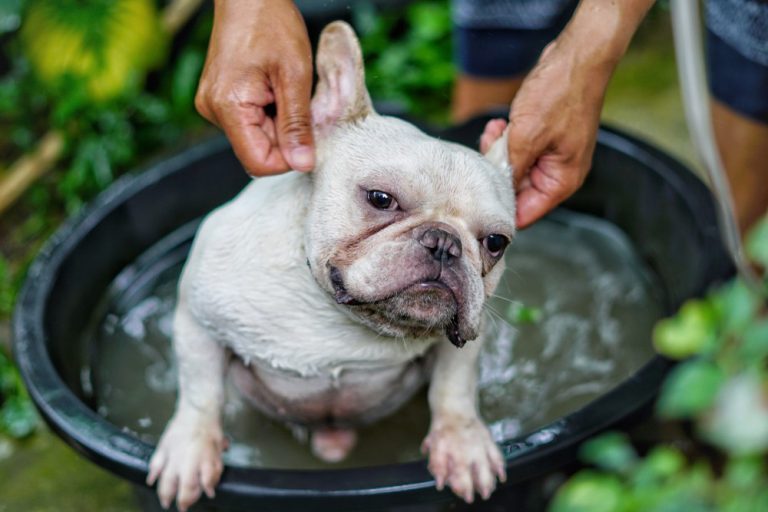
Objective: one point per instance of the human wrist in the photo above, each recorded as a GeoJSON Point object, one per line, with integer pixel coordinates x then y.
{"type": "Point", "coordinates": [248, 11]}
{"type": "Point", "coordinates": [599, 33]}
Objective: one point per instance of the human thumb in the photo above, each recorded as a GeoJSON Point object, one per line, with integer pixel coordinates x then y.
{"type": "Point", "coordinates": [522, 153]}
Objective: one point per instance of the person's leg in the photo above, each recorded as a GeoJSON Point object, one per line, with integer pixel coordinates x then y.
{"type": "Point", "coordinates": [738, 78]}
{"type": "Point", "coordinates": [475, 95]}
{"type": "Point", "coordinates": [496, 43]}
{"type": "Point", "coordinates": [743, 145]}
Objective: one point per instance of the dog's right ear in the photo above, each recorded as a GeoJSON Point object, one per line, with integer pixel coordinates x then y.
{"type": "Point", "coordinates": [341, 95]}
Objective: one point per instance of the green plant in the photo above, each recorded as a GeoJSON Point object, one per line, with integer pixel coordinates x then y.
{"type": "Point", "coordinates": [720, 390]}
{"type": "Point", "coordinates": [17, 416]}
{"type": "Point", "coordinates": [408, 57]}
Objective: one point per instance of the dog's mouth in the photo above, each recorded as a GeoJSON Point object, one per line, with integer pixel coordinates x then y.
{"type": "Point", "coordinates": [430, 301]}
{"type": "Point", "coordinates": [340, 293]}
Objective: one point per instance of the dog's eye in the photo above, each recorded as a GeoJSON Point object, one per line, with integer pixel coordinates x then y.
{"type": "Point", "coordinates": [495, 244]}
{"type": "Point", "coordinates": [382, 200]}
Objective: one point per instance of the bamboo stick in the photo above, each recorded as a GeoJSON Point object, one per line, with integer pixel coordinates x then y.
{"type": "Point", "coordinates": [27, 169]}
{"type": "Point", "coordinates": [177, 13]}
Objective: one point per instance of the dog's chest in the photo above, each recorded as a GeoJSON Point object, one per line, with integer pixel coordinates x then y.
{"type": "Point", "coordinates": [285, 321]}
{"type": "Point", "coordinates": [301, 334]}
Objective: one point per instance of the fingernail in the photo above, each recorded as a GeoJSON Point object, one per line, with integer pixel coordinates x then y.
{"type": "Point", "coordinates": [302, 158]}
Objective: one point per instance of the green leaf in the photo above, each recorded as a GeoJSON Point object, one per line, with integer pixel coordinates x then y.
{"type": "Point", "coordinates": [754, 500]}
{"type": "Point", "coordinates": [611, 451]}
{"type": "Point", "coordinates": [430, 21]}
{"type": "Point", "coordinates": [754, 342]}
{"type": "Point", "coordinates": [520, 314]}
{"type": "Point", "coordinates": [663, 462]}
{"type": "Point", "coordinates": [745, 472]}
{"type": "Point", "coordinates": [738, 423]}
{"type": "Point", "coordinates": [737, 305]}
{"type": "Point", "coordinates": [366, 20]}
{"type": "Point", "coordinates": [408, 57]}
{"type": "Point", "coordinates": [589, 491]}
{"type": "Point", "coordinates": [690, 389]}
{"type": "Point", "coordinates": [11, 94]}
{"type": "Point", "coordinates": [69, 104]}
{"type": "Point", "coordinates": [7, 289]}
{"type": "Point", "coordinates": [185, 78]}
{"type": "Point", "coordinates": [689, 332]}
{"type": "Point", "coordinates": [152, 109]}
{"type": "Point", "coordinates": [18, 418]}
{"type": "Point", "coordinates": [10, 15]}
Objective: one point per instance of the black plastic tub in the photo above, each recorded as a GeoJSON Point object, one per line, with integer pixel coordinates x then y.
{"type": "Point", "coordinates": [665, 211]}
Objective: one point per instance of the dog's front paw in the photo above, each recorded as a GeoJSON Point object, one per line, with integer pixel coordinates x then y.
{"type": "Point", "coordinates": [187, 462]}
{"type": "Point", "coordinates": [463, 455]}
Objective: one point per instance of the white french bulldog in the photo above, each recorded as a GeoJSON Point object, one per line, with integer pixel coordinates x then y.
{"type": "Point", "coordinates": [331, 297]}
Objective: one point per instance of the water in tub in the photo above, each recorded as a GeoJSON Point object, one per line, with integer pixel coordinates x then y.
{"type": "Point", "coordinates": [570, 320]}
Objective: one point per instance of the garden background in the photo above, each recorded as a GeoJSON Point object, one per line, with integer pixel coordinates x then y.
{"type": "Point", "coordinates": [90, 90]}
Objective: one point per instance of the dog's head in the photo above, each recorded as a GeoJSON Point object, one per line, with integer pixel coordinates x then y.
{"type": "Point", "coordinates": [404, 230]}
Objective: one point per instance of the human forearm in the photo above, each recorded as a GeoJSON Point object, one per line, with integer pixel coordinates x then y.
{"type": "Point", "coordinates": [599, 32]}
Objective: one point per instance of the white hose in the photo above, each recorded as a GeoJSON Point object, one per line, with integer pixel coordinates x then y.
{"type": "Point", "coordinates": [686, 25]}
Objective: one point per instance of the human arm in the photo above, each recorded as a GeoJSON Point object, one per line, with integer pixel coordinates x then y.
{"type": "Point", "coordinates": [259, 54]}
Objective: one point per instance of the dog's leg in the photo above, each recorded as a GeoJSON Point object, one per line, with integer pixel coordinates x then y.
{"type": "Point", "coordinates": [461, 451]}
{"type": "Point", "coordinates": [187, 460]}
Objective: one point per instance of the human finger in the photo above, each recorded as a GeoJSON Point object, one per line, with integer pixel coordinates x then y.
{"type": "Point", "coordinates": [294, 124]}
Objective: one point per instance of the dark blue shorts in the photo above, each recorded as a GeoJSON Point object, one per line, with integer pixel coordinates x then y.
{"type": "Point", "coordinates": [506, 41]}
{"type": "Point", "coordinates": [504, 38]}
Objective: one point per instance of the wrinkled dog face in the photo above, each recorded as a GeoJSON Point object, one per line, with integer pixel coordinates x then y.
{"type": "Point", "coordinates": [405, 230]}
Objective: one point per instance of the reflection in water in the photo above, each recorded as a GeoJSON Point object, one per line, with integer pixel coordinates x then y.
{"type": "Point", "coordinates": [596, 310]}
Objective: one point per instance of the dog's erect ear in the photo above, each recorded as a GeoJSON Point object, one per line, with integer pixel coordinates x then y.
{"type": "Point", "coordinates": [498, 153]}
{"type": "Point", "coordinates": [340, 95]}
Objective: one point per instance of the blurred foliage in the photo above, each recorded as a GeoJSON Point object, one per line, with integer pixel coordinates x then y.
{"type": "Point", "coordinates": [408, 56]}
{"type": "Point", "coordinates": [85, 69]}
{"type": "Point", "coordinates": [720, 390]}
{"type": "Point", "coordinates": [97, 50]}
{"type": "Point", "coordinates": [109, 118]}
{"type": "Point", "coordinates": [18, 418]}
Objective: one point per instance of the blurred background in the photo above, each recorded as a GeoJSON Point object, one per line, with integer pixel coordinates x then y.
{"type": "Point", "coordinates": [90, 90]}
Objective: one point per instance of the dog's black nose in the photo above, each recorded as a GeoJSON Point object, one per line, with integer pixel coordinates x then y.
{"type": "Point", "coordinates": [443, 245]}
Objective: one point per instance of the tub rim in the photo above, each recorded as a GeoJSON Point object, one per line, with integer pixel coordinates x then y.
{"type": "Point", "coordinates": [125, 455]}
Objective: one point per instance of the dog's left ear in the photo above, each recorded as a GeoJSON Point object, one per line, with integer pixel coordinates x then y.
{"type": "Point", "coordinates": [341, 95]}
{"type": "Point", "coordinates": [498, 153]}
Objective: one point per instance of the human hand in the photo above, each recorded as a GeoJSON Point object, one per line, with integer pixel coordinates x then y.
{"type": "Point", "coordinates": [555, 115]}
{"type": "Point", "coordinates": [259, 54]}
{"type": "Point", "coordinates": [551, 133]}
